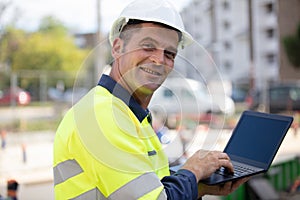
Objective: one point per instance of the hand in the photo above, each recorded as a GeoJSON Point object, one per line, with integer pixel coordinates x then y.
{"type": "Point", "coordinates": [221, 189]}
{"type": "Point", "coordinates": [204, 163]}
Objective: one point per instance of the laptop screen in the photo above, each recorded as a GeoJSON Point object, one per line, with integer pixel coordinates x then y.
{"type": "Point", "coordinates": [257, 136]}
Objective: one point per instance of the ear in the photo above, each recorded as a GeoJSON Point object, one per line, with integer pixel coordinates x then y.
{"type": "Point", "coordinates": [117, 48]}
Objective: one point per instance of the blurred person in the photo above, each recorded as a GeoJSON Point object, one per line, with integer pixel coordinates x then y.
{"type": "Point", "coordinates": [3, 134]}
{"type": "Point", "coordinates": [12, 189]}
{"type": "Point", "coordinates": [295, 124]}
{"type": "Point", "coordinates": [24, 153]}
{"type": "Point", "coordinates": [296, 186]}
{"type": "Point", "coordinates": [105, 146]}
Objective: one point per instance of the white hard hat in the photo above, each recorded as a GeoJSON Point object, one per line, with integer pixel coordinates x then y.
{"type": "Point", "coordinates": [161, 11]}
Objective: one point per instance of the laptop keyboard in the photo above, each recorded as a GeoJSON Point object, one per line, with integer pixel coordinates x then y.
{"type": "Point", "coordinates": [238, 171]}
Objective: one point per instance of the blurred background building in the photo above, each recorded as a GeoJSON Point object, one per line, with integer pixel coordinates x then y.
{"type": "Point", "coordinates": [288, 21]}
{"type": "Point", "coordinates": [244, 37]}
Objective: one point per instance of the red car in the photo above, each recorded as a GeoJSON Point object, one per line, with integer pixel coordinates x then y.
{"type": "Point", "coordinates": [16, 95]}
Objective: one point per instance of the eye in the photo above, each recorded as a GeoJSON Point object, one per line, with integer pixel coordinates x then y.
{"type": "Point", "coordinates": [148, 47]}
{"type": "Point", "coordinates": [170, 55]}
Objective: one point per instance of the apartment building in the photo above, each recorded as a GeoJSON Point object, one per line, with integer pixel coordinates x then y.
{"type": "Point", "coordinates": [241, 36]}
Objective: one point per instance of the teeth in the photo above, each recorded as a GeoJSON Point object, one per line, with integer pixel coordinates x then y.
{"type": "Point", "coordinates": [150, 71]}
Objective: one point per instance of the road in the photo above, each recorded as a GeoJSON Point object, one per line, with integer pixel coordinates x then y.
{"type": "Point", "coordinates": [27, 113]}
{"type": "Point", "coordinates": [9, 114]}
{"type": "Point", "coordinates": [35, 175]}
{"type": "Point", "coordinates": [34, 171]}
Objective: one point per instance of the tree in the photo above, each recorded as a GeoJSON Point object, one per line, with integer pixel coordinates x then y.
{"type": "Point", "coordinates": [50, 48]}
{"type": "Point", "coordinates": [292, 48]}
{"type": "Point", "coordinates": [50, 52]}
{"type": "Point", "coordinates": [10, 43]}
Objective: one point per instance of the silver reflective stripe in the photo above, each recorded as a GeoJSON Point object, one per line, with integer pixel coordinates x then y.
{"type": "Point", "coordinates": [66, 170]}
{"type": "Point", "coordinates": [138, 187]}
{"type": "Point", "coordinates": [93, 194]}
{"type": "Point", "coordinates": [162, 195]}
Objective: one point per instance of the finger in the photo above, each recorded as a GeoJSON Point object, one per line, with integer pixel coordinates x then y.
{"type": "Point", "coordinates": [227, 164]}
{"type": "Point", "coordinates": [224, 156]}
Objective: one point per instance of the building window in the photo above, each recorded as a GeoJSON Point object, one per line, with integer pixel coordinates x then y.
{"type": "Point", "coordinates": [270, 8]}
{"type": "Point", "coordinates": [227, 65]}
{"type": "Point", "coordinates": [226, 5]}
{"type": "Point", "coordinates": [270, 33]}
{"type": "Point", "coordinates": [226, 25]}
{"type": "Point", "coordinates": [227, 45]}
{"type": "Point", "coordinates": [271, 58]}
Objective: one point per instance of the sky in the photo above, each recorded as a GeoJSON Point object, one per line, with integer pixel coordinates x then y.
{"type": "Point", "coordinates": [78, 15]}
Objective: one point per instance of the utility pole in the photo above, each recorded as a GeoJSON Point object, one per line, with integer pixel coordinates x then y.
{"type": "Point", "coordinates": [251, 48]}
{"type": "Point", "coordinates": [99, 52]}
{"type": "Point", "coordinates": [98, 34]}
{"type": "Point", "coordinates": [214, 33]}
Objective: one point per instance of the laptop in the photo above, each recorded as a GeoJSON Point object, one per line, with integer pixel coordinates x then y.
{"type": "Point", "coordinates": [253, 145]}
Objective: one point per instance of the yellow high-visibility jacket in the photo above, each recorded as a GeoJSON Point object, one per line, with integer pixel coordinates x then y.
{"type": "Point", "coordinates": [102, 150]}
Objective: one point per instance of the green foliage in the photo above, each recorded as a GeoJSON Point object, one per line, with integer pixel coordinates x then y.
{"type": "Point", "coordinates": [4, 80]}
{"type": "Point", "coordinates": [52, 25]}
{"type": "Point", "coordinates": [9, 44]}
{"type": "Point", "coordinates": [49, 49]}
{"type": "Point", "coordinates": [44, 51]}
{"type": "Point", "coordinates": [292, 48]}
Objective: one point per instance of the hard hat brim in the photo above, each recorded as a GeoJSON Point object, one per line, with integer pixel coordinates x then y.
{"type": "Point", "coordinates": [118, 25]}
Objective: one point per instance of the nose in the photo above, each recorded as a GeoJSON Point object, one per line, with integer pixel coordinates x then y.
{"type": "Point", "coordinates": [158, 56]}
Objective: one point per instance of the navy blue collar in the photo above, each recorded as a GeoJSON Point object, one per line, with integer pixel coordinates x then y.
{"type": "Point", "coordinates": [117, 90]}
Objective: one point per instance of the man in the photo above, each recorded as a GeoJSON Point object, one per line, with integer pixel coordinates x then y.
{"type": "Point", "coordinates": [105, 147]}
{"type": "Point", "coordinates": [12, 189]}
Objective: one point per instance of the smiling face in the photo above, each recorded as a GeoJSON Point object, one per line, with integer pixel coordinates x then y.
{"type": "Point", "coordinates": [144, 60]}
